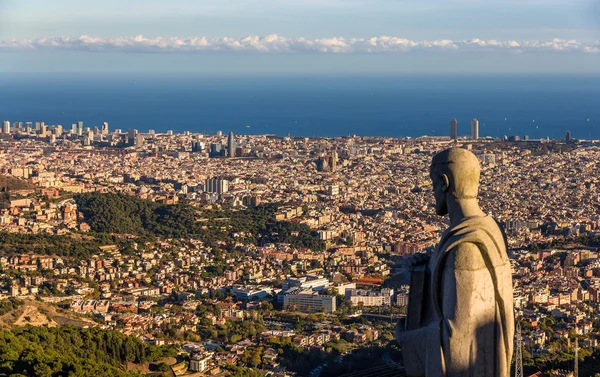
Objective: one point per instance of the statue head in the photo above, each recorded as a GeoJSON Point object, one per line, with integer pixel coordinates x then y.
{"type": "Point", "coordinates": [455, 175]}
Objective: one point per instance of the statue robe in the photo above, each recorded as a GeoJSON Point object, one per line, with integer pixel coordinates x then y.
{"type": "Point", "coordinates": [468, 321]}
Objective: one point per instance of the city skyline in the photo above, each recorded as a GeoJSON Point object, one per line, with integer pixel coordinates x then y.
{"type": "Point", "coordinates": [298, 227]}
{"type": "Point", "coordinates": [230, 147]}
{"type": "Point", "coordinates": [263, 187]}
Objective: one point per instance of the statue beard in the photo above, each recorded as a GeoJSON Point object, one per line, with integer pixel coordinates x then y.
{"type": "Point", "coordinates": [441, 208]}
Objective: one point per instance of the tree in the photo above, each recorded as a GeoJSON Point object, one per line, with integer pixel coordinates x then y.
{"type": "Point", "coordinates": [72, 351]}
{"type": "Point", "coordinates": [120, 213]}
{"type": "Point", "coordinates": [164, 367]}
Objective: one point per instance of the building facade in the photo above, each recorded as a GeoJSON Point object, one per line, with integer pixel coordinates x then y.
{"type": "Point", "coordinates": [311, 303]}
{"type": "Point", "coordinates": [475, 129]}
{"type": "Point", "coordinates": [370, 298]}
{"type": "Point", "coordinates": [200, 361]}
{"type": "Point", "coordinates": [454, 129]}
{"type": "Point", "coordinates": [216, 185]}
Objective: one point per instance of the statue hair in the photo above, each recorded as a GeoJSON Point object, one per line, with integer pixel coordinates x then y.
{"type": "Point", "coordinates": [462, 169]}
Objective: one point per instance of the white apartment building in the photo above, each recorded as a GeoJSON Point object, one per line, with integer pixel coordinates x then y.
{"type": "Point", "coordinates": [311, 303]}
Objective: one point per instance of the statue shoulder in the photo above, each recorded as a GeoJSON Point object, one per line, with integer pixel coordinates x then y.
{"type": "Point", "coordinates": [466, 256]}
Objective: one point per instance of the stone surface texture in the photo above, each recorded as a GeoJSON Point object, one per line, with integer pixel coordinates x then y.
{"type": "Point", "coordinates": [467, 322]}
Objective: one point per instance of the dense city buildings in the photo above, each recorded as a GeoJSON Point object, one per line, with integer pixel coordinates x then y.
{"type": "Point", "coordinates": [296, 244]}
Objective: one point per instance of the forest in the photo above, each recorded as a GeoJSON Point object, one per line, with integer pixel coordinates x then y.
{"type": "Point", "coordinates": [124, 214]}
{"type": "Point", "coordinates": [68, 246]}
{"type": "Point", "coordinates": [72, 351]}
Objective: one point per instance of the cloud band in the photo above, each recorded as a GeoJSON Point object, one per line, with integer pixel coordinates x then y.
{"type": "Point", "coordinates": [277, 44]}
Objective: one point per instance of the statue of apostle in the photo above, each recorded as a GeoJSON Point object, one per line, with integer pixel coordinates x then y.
{"type": "Point", "coordinates": [460, 319]}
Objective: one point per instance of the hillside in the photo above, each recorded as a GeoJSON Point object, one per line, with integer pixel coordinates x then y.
{"type": "Point", "coordinates": [12, 183]}
{"type": "Point", "coordinates": [73, 351]}
{"type": "Point", "coordinates": [68, 245]}
{"type": "Point", "coordinates": [14, 312]}
{"type": "Point", "coordinates": [118, 213]}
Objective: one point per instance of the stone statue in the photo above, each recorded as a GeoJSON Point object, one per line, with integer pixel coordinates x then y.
{"type": "Point", "coordinates": [462, 324]}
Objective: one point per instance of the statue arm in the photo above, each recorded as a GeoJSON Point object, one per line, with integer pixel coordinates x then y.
{"type": "Point", "coordinates": [467, 302]}
{"type": "Point", "coordinates": [414, 348]}
{"type": "Point", "coordinates": [468, 309]}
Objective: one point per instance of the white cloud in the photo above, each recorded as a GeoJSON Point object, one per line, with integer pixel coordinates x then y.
{"type": "Point", "coordinates": [277, 44]}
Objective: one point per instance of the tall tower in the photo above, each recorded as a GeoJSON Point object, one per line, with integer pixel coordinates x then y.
{"type": "Point", "coordinates": [131, 135]}
{"type": "Point", "coordinates": [454, 129]}
{"type": "Point", "coordinates": [231, 145]}
{"type": "Point", "coordinates": [474, 129]}
{"type": "Point", "coordinates": [333, 160]}
{"type": "Point", "coordinates": [519, 352]}
{"type": "Point", "coordinates": [6, 127]}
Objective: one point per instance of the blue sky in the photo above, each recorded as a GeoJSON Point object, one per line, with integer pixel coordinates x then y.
{"type": "Point", "coordinates": [311, 36]}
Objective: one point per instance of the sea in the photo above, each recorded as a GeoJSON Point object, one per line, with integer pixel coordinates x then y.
{"type": "Point", "coordinates": [403, 105]}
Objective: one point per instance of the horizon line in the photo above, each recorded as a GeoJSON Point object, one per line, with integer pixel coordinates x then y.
{"type": "Point", "coordinates": [276, 44]}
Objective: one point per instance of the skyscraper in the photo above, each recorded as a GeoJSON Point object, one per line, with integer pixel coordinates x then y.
{"type": "Point", "coordinates": [131, 134]}
{"type": "Point", "coordinates": [216, 185]}
{"type": "Point", "coordinates": [216, 150]}
{"type": "Point", "coordinates": [454, 129]}
{"type": "Point", "coordinates": [567, 137]}
{"type": "Point", "coordinates": [6, 127]}
{"type": "Point", "coordinates": [197, 146]}
{"type": "Point", "coordinates": [231, 145]}
{"type": "Point", "coordinates": [474, 129]}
